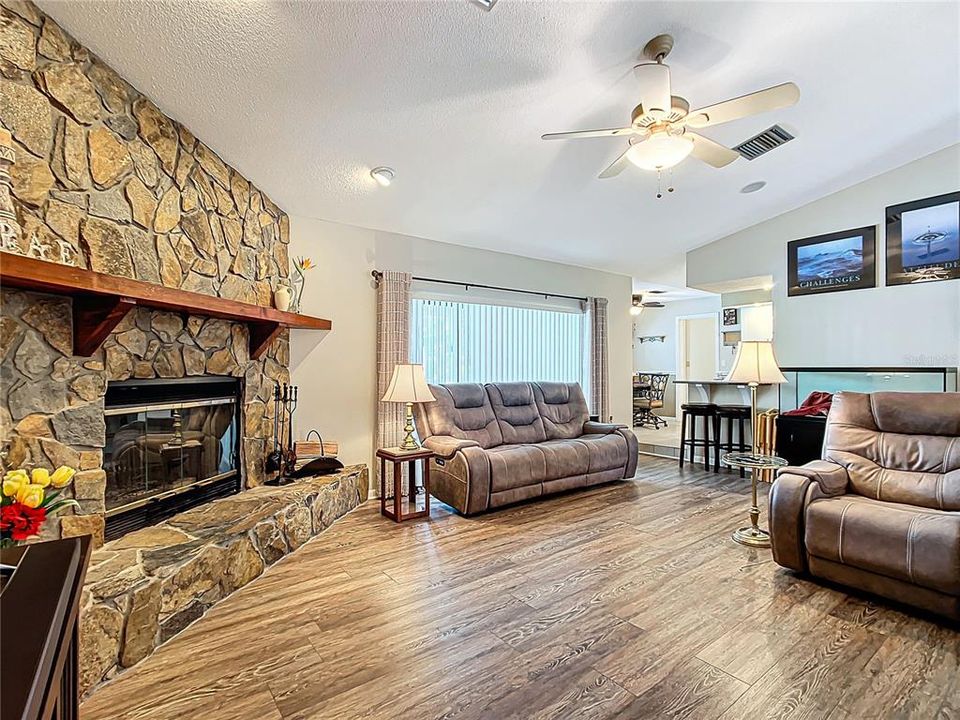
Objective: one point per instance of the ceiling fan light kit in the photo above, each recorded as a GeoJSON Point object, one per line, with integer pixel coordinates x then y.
{"type": "Point", "coordinates": [662, 150]}
{"type": "Point", "coordinates": [660, 136]}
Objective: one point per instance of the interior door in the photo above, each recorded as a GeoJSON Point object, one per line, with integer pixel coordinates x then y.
{"type": "Point", "coordinates": [696, 352]}
{"type": "Point", "coordinates": [701, 334]}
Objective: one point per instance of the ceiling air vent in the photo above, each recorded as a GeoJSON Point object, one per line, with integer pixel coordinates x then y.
{"type": "Point", "coordinates": [764, 142]}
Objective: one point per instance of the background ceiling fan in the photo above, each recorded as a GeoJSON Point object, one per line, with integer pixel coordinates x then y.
{"type": "Point", "coordinates": [660, 134]}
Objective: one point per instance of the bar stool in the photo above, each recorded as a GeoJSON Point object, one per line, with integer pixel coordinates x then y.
{"type": "Point", "coordinates": [708, 412]}
{"type": "Point", "coordinates": [731, 414]}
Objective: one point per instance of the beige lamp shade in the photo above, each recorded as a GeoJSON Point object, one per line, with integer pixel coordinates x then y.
{"type": "Point", "coordinates": [756, 363]}
{"type": "Point", "coordinates": [408, 384]}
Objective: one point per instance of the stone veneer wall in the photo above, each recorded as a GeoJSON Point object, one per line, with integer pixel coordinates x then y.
{"type": "Point", "coordinates": [104, 180]}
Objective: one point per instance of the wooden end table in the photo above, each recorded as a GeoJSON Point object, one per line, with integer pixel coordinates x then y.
{"type": "Point", "coordinates": [398, 457]}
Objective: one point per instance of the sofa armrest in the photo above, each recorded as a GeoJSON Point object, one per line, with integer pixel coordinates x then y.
{"type": "Point", "coordinates": [792, 490]}
{"type": "Point", "coordinates": [446, 446]}
{"type": "Point", "coordinates": [599, 428]}
{"type": "Point", "coordinates": [460, 473]}
{"type": "Point", "coordinates": [788, 500]}
{"type": "Point", "coordinates": [831, 477]}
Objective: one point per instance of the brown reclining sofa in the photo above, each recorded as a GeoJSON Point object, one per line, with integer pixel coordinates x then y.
{"type": "Point", "coordinates": [501, 443]}
{"type": "Point", "coordinates": [881, 510]}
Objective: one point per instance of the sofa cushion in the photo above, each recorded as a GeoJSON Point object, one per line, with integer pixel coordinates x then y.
{"type": "Point", "coordinates": [565, 458]}
{"type": "Point", "coordinates": [606, 451]}
{"type": "Point", "coordinates": [909, 543]}
{"type": "Point", "coordinates": [462, 410]}
{"type": "Point", "coordinates": [516, 412]}
{"type": "Point", "coordinates": [898, 447]}
{"type": "Point", "coordinates": [562, 408]}
{"type": "Point", "coordinates": [515, 466]}
{"type": "Point", "coordinates": [508, 497]}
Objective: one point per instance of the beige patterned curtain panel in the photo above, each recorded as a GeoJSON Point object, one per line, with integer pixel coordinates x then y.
{"type": "Point", "coordinates": [599, 372]}
{"type": "Point", "coordinates": [393, 347]}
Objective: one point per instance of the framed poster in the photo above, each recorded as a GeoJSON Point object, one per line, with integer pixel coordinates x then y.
{"type": "Point", "coordinates": [844, 260]}
{"type": "Point", "coordinates": [730, 316]}
{"type": "Point", "coordinates": [923, 240]}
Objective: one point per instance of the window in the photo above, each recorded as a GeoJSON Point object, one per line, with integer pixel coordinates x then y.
{"type": "Point", "coordinates": [476, 342]}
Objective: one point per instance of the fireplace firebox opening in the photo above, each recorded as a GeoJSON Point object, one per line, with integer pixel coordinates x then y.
{"type": "Point", "coordinates": [171, 445]}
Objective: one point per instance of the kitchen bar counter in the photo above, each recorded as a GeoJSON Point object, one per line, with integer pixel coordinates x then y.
{"type": "Point", "coordinates": [719, 391]}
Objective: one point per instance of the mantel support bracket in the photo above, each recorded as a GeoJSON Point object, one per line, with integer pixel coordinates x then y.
{"type": "Point", "coordinates": [94, 318]}
{"type": "Point", "coordinates": [261, 335]}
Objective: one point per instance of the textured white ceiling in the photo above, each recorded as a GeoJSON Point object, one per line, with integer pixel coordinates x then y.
{"type": "Point", "coordinates": [305, 97]}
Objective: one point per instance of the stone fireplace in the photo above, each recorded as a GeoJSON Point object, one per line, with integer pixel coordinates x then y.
{"type": "Point", "coordinates": [104, 180]}
{"type": "Point", "coordinates": [169, 410]}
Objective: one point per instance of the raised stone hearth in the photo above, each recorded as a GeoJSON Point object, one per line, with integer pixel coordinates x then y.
{"type": "Point", "coordinates": [147, 586]}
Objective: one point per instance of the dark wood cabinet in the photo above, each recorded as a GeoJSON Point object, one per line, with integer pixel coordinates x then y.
{"type": "Point", "coordinates": [800, 438]}
{"type": "Point", "coordinates": [39, 623]}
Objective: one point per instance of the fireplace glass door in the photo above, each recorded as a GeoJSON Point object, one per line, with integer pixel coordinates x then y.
{"type": "Point", "coordinates": [158, 450]}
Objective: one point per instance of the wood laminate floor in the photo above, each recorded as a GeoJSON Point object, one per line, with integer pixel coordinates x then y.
{"type": "Point", "coordinates": [623, 601]}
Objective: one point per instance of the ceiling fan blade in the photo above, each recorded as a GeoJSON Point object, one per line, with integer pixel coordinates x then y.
{"type": "Point", "coordinates": [654, 81]}
{"type": "Point", "coordinates": [617, 166]}
{"type": "Point", "coordinates": [573, 135]}
{"type": "Point", "coordinates": [710, 152]}
{"type": "Point", "coordinates": [773, 98]}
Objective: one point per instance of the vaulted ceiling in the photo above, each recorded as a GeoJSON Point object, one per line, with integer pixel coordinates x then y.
{"type": "Point", "coordinates": [306, 97]}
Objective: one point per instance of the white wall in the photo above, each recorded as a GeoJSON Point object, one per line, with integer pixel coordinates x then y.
{"type": "Point", "coordinates": [336, 371]}
{"type": "Point", "coordinates": [906, 325]}
{"type": "Point", "coordinates": [662, 356]}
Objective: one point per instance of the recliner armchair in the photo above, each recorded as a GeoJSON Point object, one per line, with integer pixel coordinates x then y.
{"type": "Point", "coordinates": [881, 510]}
{"type": "Point", "coordinates": [502, 443]}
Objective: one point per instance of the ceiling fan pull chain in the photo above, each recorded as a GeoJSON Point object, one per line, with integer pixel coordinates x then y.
{"type": "Point", "coordinates": [659, 189]}
{"type": "Point", "coordinates": [670, 180]}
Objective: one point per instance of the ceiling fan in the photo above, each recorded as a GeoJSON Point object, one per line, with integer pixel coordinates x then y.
{"type": "Point", "coordinates": [660, 134]}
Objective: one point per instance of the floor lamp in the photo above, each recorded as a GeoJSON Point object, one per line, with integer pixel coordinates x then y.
{"type": "Point", "coordinates": [755, 365]}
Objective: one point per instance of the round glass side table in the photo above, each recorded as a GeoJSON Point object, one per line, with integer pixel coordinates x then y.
{"type": "Point", "coordinates": [753, 535]}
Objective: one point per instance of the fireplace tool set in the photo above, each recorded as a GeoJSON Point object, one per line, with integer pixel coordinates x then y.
{"type": "Point", "coordinates": [283, 458]}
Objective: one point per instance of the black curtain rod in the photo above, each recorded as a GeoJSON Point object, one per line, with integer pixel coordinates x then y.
{"type": "Point", "coordinates": [377, 275]}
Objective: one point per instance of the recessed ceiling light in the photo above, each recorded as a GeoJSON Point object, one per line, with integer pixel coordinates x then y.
{"type": "Point", "coordinates": [754, 186]}
{"type": "Point", "coordinates": [383, 175]}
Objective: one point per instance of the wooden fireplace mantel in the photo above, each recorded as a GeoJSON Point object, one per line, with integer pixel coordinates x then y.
{"type": "Point", "coordinates": [101, 301]}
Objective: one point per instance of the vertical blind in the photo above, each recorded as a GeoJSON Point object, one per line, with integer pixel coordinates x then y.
{"type": "Point", "coordinates": [474, 342]}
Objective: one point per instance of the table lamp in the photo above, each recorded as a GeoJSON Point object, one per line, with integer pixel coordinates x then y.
{"type": "Point", "coordinates": [408, 385]}
{"type": "Point", "coordinates": [755, 364]}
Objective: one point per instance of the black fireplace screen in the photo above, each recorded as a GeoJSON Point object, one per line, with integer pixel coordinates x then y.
{"type": "Point", "coordinates": [165, 439]}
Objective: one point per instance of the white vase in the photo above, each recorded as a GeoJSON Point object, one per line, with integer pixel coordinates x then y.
{"type": "Point", "coordinates": [281, 298]}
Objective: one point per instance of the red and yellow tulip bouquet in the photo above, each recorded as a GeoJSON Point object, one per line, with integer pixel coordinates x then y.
{"type": "Point", "coordinates": [27, 500]}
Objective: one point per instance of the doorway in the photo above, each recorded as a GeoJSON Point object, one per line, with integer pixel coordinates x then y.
{"type": "Point", "coordinates": [698, 347]}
